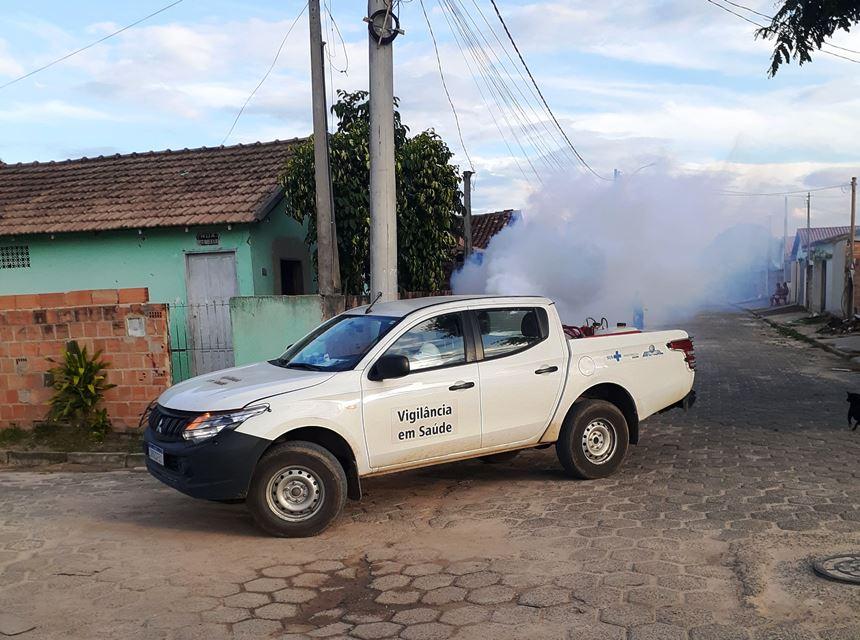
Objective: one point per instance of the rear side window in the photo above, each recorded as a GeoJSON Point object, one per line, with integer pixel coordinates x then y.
{"type": "Point", "coordinates": [507, 331]}
{"type": "Point", "coordinates": [437, 342]}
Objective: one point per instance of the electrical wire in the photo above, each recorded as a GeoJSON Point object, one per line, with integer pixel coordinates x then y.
{"type": "Point", "coordinates": [330, 52]}
{"type": "Point", "coordinates": [495, 87]}
{"type": "Point", "coordinates": [739, 15]}
{"type": "Point", "coordinates": [501, 77]}
{"type": "Point", "coordinates": [487, 106]}
{"type": "Point", "coordinates": [90, 45]}
{"type": "Point", "coordinates": [543, 99]}
{"type": "Point", "coordinates": [768, 28]}
{"type": "Point", "coordinates": [491, 71]}
{"type": "Point", "coordinates": [771, 18]}
{"type": "Point", "coordinates": [836, 46]}
{"type": "Point", "coordinates": [728, 192]}
{"type": "Point", "coordinates": [745, 8]}
{"type": "Point", "coordinates": [497, 71]}
{"type": "Point", "coordinates": [445, 86]}
{"type": "Point", "coordinates": [502, 91]}
{"type": "Point", "coordinates": [327, 19]}
{"type": "Point", "coordinates": [552, 133]}
{"type": "Point", "coordinates": [266, 75]}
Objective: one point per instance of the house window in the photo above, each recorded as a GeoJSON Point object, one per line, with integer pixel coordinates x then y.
{"type": "Point", "coordinates": [15, 257]}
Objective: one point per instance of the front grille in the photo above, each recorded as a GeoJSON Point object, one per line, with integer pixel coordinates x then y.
{"type": "Point", "coordinates": [167, 424]}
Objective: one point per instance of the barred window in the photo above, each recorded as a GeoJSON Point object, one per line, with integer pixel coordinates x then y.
{"type": "Point", "coordinates": [15, 257]}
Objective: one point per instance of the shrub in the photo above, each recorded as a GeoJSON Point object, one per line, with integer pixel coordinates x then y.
{"type": "Point", "coordinates": [79, 383]}
{"type": "Point", "coordinates": [12, 435]}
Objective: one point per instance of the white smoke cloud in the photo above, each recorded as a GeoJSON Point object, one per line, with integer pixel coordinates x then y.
{"type": "Point", "coordinates": [663, 240]}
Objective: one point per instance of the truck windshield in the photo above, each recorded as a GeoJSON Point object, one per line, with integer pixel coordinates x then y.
{"type": "Point", "coordinates": [337, 345]}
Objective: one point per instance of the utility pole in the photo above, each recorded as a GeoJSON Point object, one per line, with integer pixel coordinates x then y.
{"type": "Point", "coordinates": [328, 268]}
{"type": "Point", "coordinates": [784, 241]}
{"type": "Point", "coordinates": [849, 261]}
{"type": "Point", "coordinates": [769, 255]}
{"type": "Point", "coordinates": [383, 27]}
{"type": "Point", "coordinates": [467, 214]}
{"type": "Point", "coordinates": [808, 268]}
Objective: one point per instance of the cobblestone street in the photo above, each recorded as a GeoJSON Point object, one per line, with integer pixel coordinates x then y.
{"type": "Point", "coordinates": [706, 533]}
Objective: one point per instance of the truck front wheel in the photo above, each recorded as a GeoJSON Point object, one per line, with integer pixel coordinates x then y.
{"type": "Point", "coordinates": [593, 440]}
{"type": "Point", "coordinates": [297, 490]}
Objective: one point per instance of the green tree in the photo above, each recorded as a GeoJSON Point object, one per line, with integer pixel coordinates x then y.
{"type": "Point", "coordinates": [801, 27]}
{"type": "Point", "coordinates": [428, 198]}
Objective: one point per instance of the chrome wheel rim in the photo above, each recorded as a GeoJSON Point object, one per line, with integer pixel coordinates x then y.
{"type": "Point", "coordinates": [295, 493]}
{"type": "Point", "coordinates": [599, 441]}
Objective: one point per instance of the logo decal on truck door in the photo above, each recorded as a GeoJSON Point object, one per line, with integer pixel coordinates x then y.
{"type": "Point", "coordinates": [422, 422]}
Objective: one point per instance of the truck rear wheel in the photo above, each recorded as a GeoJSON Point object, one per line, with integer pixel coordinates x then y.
{"type": "Point", "coordinates": [298, 489]}
{"type": "Point", "coordinates": [593, 440]}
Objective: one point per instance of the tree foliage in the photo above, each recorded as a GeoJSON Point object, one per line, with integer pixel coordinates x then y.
{"type": "Point", "coordinates": [428, 198]}
{"type": "Point", "coordinates": [802, 26]}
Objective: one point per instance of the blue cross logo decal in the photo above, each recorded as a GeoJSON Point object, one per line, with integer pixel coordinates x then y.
{"type": "Point", "coordinates": [617, 356]}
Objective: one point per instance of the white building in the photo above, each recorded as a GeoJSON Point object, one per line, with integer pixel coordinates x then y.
{"type": "Point", "coordinates": [819, 256]}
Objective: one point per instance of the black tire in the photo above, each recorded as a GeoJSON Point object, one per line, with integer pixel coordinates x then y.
{"type": "Point", "coordinates": [587, 461]}
{"type": "Point", "coordinates": [498, 458]}
{"type": "Point", "coordinates": [308, 472]}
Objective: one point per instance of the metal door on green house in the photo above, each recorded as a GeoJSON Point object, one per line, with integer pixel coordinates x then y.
{"type": "Point", "coordinates": [210, 279]}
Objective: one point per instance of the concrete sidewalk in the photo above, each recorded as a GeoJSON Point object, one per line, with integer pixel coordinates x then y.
{"type": "Point", "coordinates": [798, 322]}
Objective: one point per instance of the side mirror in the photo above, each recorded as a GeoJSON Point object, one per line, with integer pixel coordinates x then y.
{"type": "Point", "coordinates": [389, 367]}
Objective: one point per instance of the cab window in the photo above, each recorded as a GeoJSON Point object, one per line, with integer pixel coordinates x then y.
{"type": "Point", "coordinates": [507, 331]}
{"type": "Point", "coordinates": [436, 342]}
{"type": "Point", "coordinates": [337, 345]}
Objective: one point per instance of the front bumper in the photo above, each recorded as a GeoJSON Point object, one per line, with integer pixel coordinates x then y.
{"type": "Point", "coordinates": [217, 469]}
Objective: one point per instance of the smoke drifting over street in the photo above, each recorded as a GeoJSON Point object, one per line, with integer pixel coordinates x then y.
{"type": "Point", "coordinates": [660, 240]}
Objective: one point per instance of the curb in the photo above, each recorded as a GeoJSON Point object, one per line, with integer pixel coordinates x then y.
{"type": "Point", "coordinates": [100, 460]}
{"type": "Point", "coordinates": [804, 338]}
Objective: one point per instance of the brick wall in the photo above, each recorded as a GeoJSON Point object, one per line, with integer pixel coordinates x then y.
{"type": "Point", "coordinates": [35, 327]}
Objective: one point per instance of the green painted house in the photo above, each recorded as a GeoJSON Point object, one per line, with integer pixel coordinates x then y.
{"type": "Point", "coordinates": [196, 227]}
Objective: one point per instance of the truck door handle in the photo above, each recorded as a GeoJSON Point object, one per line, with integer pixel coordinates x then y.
{"type": "Point", "coordinates": [461, 385]}
{"type": "Point", "coordinates": [552, 369]}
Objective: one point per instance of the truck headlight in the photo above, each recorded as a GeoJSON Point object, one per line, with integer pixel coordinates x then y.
{"type": "Point", "coordinates": [207, 425]}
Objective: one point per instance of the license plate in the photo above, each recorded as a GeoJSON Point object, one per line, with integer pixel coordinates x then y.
{"type": "Point", "coordinates": [156, 454]}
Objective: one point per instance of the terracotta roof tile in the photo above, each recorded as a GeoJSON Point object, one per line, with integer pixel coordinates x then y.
{"type": "Point", "coordinates": [486, 225]}
{"type": "Point", "coordinates": [215, 185]}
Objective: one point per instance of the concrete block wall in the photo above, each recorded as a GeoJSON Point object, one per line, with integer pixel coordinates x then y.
{"type": "Point", "coordinates": [263, 326]}
{"type": "Point", "coordinates": [38, 326]}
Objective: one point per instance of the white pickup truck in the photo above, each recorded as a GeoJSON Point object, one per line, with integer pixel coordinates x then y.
{"type": "Point", "coordinates": [407, 384]}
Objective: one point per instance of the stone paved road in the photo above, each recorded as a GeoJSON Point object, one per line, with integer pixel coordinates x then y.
{"type": "Point", "coordinates": [706, 533]}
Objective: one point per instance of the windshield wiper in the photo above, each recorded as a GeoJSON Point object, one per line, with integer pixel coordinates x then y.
{"type": "Point", "coordinates": [304, 366]}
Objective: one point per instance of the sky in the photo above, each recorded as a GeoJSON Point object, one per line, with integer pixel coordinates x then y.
{"type": "Point", "coordinates": [676, 84]}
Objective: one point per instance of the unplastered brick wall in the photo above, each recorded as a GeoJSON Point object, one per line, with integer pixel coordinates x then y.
{"type": "Point", "coordinates": [130, 332]}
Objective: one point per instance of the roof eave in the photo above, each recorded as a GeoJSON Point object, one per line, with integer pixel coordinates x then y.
{"type": "Point", "coordinates": [269, 203]}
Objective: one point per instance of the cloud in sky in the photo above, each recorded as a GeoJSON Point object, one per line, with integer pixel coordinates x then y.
{"type": "Point", "coordinates": [8, 65]}
{"type": "Point", "coordinates": [671, 80]}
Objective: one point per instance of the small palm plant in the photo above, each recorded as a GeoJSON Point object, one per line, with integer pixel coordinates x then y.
{"type": "Point", "coordinates": [79, 383]}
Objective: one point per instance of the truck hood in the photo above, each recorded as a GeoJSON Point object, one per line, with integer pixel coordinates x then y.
{"type": "Point", "coordinates": [237, 387]}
